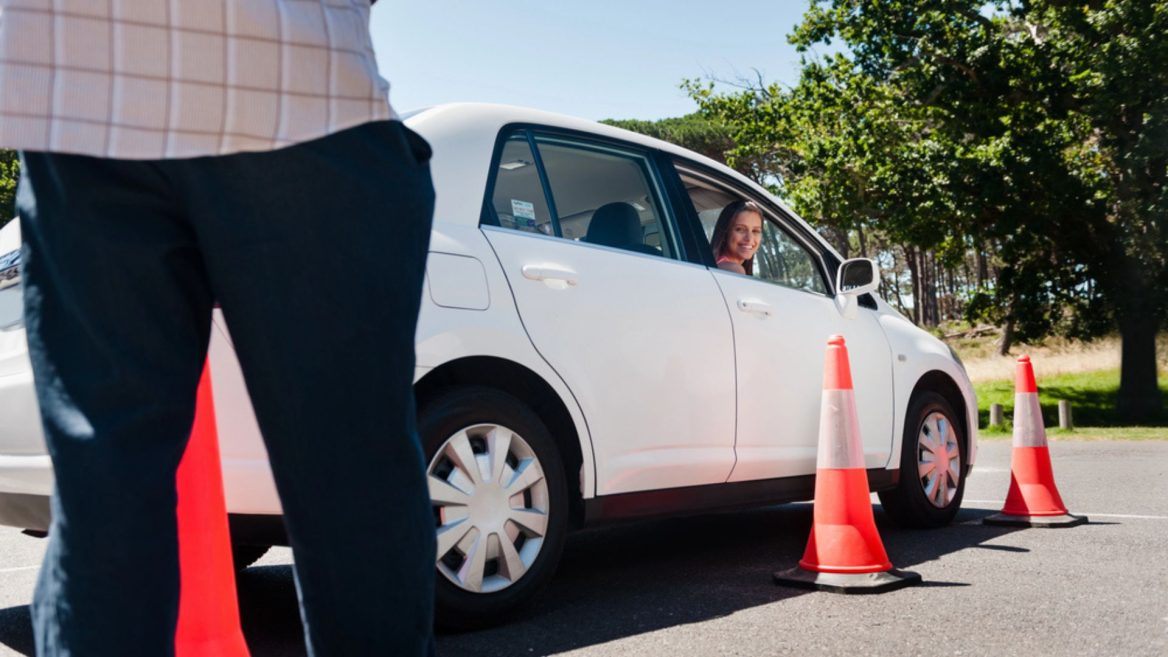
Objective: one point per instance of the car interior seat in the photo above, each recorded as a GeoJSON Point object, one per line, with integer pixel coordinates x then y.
{"type": "Point", "coordinates": [618, 225]}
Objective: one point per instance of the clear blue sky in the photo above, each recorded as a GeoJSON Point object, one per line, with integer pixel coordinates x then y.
{"type": "Point", "coordinates": [595, 59]}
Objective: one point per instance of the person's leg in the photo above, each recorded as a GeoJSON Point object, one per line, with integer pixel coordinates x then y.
{"type": "Point", "coordinates": [316, 253]}
{"type": "Point", "coordinates": [117, 309]}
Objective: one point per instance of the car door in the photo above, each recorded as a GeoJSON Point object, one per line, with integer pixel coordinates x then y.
{"type": "Point", "coordinates": [783, 315]}
{"type": "Point", "coordinates": [588, 243]}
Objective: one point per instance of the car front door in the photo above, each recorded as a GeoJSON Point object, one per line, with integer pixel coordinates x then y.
{"type": "Point", "coordinates": [589, 247]}
{"type": "Point", "coordinates": [783, 314]}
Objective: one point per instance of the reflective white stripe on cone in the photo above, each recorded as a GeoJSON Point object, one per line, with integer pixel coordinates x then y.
{"type": "Point", "coordinates": [1033, 499]}
{"type": "Point", "coordinates": [844, 552]}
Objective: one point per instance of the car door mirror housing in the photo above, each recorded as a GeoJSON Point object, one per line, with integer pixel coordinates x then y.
{"type": "Point", "coordinates": [857, 276]}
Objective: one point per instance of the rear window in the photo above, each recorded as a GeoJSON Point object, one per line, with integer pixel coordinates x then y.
{"type": "Point", "coordinates": [578, 190]}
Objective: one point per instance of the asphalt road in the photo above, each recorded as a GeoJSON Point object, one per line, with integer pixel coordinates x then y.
{"type": "Point", "coordinates": [702, 586]}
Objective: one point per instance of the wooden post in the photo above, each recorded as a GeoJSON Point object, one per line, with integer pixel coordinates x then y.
{"type": "Point", "coordinates": [995, 415]}
{"type": "Point", "coordinates": [1065, 421]}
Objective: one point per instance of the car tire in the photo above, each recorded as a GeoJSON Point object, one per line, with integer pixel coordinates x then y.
{"type": "Point", "coordinates": [243, 556]}
{"type": "Point", "coordinates": [499, 538]}
{"type": "Point", "coordinates": [928, 497]}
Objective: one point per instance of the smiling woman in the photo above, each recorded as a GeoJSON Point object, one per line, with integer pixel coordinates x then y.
{"type": "Point", "coordinates": [737, 236]}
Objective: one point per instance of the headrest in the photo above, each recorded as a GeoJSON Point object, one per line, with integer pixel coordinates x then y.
{"type": "Point", "coordinates": [615, 224]}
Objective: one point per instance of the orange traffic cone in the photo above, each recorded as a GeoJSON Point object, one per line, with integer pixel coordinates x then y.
{"type": "Point", "coordinates": [208, 613]}
{"type": "Point", "coordinates": [844, 553]}
{"type": "Point", "coordinates": [1033, 500]}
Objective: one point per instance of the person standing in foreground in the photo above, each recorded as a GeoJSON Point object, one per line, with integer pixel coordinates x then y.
{"type": "Point", "coordinates": [175, 154]}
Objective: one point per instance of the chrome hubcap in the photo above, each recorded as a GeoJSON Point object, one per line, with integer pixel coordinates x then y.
{"type": "Point", "coordinates": [938, 459]}
{"type": "Point", "coordinates": [490, 502]}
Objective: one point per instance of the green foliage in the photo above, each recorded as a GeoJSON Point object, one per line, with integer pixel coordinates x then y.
{"type": "Point", "coordinates": [9, 174]}
{"type": "Point", "coordinates": [693, 131]}
{"type": "Point", "coordinates": [1034, 132]}
{"type": "Point", "coordinates": [1093, 397]}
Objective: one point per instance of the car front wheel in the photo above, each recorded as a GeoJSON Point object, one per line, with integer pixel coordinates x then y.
{"type": "Point", "coordinates": [500, 503]}
{"type": "Point", "coordinates": [932, 480]}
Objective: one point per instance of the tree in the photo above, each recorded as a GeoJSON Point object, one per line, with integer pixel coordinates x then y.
{"type": "Point", "coordinates": [9, 174]}
{"type": "Point", "coordinates": [1032, 135]}
{"type": "Point", "coordinates": [693, 131]}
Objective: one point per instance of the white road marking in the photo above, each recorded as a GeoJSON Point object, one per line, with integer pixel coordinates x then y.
{"type": "Point", "coordinates": [1090, 514]}
{"type": "Point", "coordinates": [1077, 512]}
{"type": "Point", "coordinates": [17, 570]}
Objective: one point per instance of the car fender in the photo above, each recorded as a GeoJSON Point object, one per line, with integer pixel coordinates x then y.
{"type": "Point", "coordinates": [916, 353]}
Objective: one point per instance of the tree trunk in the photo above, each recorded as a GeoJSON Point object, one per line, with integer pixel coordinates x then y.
{"type": "Point", "coordinates": [842, 241]}
{"type": "Point", "coordinates": [928, 269]}
{"type": "Point", "coordinates": [1007, 339]}
{"type": "Point", "coordinates": [896, 289]}
{"type": "Point", "coordinates": [914, 278]}
{"type": "Point", "coordinates": [1139, 391]}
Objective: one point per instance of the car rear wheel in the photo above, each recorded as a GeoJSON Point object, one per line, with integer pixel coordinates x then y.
{"type": "Point", "coordinates": [500, 501]}
{"type": "Point", "coordinates": [932, 465]}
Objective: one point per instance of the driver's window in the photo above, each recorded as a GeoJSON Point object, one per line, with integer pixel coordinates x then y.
{"type": "Point", "coordinates": [780, 259]}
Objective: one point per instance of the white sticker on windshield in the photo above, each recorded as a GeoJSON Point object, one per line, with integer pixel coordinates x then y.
{"type": "Point", "coordinates": [524, 213]}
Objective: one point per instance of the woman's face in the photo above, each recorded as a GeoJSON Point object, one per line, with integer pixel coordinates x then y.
{"type": "Point", "coordinates": [744, 236]}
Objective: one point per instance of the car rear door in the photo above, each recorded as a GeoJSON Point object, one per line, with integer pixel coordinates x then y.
{"type": "Point", "coordinates": [588, 243]}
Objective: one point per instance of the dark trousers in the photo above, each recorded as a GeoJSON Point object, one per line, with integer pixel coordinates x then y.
{"type": "Point", "coordinates": [316, 254]}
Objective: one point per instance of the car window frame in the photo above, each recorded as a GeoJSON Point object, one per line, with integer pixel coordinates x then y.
{"type": "Point", "coordinates": [772, 211]}
{"type": "Point", "coordinates": [657, 175]}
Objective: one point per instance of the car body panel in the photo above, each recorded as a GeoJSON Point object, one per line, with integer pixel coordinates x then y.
{"type": "Point", "coordinates": [470, 308]}
{"type": "Point", "coordinates": [915, 354]}
{"type": "Point", "coordinates": [657, 326]}
{"type": "Point", "coordinates": [780, 375]}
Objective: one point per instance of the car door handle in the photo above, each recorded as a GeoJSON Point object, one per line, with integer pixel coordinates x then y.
{"type": "Point", "coordinates": [755, 307]}
{"type": "Point", "coordinates": [550, 274]}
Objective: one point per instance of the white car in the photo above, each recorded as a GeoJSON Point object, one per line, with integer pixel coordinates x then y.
{"type": "Point", "coordinates": [581, 359]}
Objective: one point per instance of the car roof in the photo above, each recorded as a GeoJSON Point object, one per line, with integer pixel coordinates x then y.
{"type": "Point", "coordinates": [464, 135]}
{"type": "Point", "coordinates": [499, 115]}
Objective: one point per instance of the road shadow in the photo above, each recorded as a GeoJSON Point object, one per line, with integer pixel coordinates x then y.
{"type": "Point", "coordinates": [623, 581]}
{"type": "Point", "coordinates": [269, 612]}
{"type": "Point", "coordinates": [269, 615]}
{"type": "Point", "coordinates": [615, 582]}
{"type": "Point", "coordinates": [16, 630]}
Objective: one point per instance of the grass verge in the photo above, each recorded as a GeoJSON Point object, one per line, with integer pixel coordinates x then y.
{"type": "Point", "coordinates": [1092, 395]}
{"type": "Point", "coordinates": [1087, 433]}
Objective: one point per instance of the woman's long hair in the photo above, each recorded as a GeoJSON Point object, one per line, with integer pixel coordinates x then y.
{"type": "Point", "coordinates": [722, 229]}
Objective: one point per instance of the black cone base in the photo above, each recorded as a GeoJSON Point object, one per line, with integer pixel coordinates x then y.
{"type": "Point", "coordinates": [1007, 520]}
{"type": "Point", "coordinates": [854, 583]}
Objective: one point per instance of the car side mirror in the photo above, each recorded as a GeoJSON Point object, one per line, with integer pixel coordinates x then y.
{"type": "Point", "coordinates": [855, 277]}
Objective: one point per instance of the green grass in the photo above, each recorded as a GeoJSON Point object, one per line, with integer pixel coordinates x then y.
{"type": "Point", "coordinates": [1086, 433]}
{"type": "Point", "coordinates": [1092, 396]}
